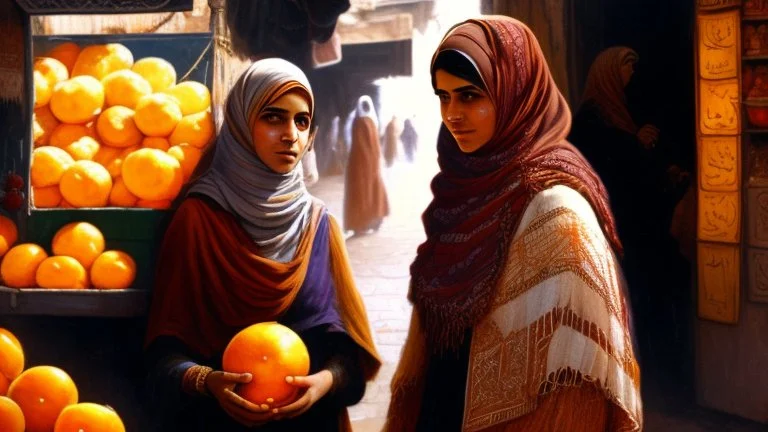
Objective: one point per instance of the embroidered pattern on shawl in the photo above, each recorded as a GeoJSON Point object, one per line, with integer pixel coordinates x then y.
{"type": "Point", "coordinates": [557, 320]}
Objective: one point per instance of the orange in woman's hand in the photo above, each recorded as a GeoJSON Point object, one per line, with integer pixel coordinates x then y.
{"type": "Point", "coordinates": [270, 352]}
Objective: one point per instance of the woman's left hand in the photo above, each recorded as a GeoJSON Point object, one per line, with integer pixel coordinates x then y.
{"type": "Point", "coordinates": [316, 386]}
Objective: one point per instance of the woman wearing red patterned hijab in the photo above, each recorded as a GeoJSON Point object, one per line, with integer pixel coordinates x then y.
{"type": "Point", "coordinates": [520, 320]}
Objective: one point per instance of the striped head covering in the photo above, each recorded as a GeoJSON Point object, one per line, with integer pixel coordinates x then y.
{"type": "Point", "coordinates": [273, 208]}
{"type": "Point", "coordinates": [605, 88]}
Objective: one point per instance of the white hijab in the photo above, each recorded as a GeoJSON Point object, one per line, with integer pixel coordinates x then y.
{"type": "Point", "coordinates": [273, 208]}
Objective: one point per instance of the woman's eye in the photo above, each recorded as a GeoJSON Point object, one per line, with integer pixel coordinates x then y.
{"type": "Point", "coordinates": [302, 122]}
{"type": "Point", "coordinates": [272, 118]}
{"type": "Point", "coordinates": [469, 96]}
{"type": "Point", "coordinates": [444, 98]}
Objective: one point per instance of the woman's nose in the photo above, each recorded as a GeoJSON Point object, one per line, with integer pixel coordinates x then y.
{"type": "Point", "coordinates": [291, 134]}
{"type": "Point", "coordinates": [453, 114]}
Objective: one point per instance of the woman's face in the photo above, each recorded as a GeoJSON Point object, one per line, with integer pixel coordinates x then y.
{"type": "Point", "coordinates": [281, 132]}
{"type": "Point", "coordinates": [467, 111]}
{"type": "Point", "coordinates": [627, 70]}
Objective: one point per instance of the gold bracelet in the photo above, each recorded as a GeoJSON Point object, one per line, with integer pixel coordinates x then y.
{"type": "Point", "coordinates": [201, 377]}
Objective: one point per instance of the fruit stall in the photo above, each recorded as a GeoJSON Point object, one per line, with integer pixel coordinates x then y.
{"type": "Point", "coordinates": [98, 135]}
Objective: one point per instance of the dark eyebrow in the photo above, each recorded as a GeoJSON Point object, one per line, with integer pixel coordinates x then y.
{"type": "Point", "coordinates": [440, 92]}
{"type": "Point", "coordinates": [303, 113]}
{"type": "Point", "coordinates": [275, 110]}
{"type": "Point", "coordinates": [465, 88]}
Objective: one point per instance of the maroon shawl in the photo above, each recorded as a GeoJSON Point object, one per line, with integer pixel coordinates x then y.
{"type": "Point", "coordinates": [480, 197]}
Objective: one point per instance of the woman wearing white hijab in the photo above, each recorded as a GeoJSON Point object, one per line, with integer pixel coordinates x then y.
{"type": "Point", "coordinates": [365, 196]}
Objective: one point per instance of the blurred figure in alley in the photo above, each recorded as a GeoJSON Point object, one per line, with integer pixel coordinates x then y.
{"type": "Point", "coordinates": [365, 196]}
{"type": "Point", "coordinates": [410, 139]}
{"type": "Point", "coordinates": [391, 138]}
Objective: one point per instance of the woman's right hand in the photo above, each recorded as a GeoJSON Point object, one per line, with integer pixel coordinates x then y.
{"type": "Point", "coordinates": [222, 384]}
{"type": "Point", "coordinates": [648, 136]}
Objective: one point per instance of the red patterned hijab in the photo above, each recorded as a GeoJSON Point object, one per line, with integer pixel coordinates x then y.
{"type": "Point", "coordinates": [480, 197]}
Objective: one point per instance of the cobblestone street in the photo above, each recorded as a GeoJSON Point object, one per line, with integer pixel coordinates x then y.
{"type": "Point", "coordinates": [380, 262]}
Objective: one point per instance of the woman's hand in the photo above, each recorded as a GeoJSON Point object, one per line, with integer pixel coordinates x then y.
{"type": "Point", "coordinates": [648, 136]}
{"type": "Point", "coordinates": [221, 385]}
{"type": "Point", "coordinates": [316, 386]}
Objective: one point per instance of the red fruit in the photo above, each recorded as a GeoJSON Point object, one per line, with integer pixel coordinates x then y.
{"type": "Point", "coordinates": [13, 181]}
{"type": "Point", "coordinates": [13, 200]}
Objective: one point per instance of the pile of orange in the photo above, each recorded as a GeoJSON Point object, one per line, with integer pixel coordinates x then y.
{"type": "Point", "coordinates": [44, 398]}
{"type": "Point", "coordinates": [111, 132]}
{"type": "Point", "coordinates": [79, 260]}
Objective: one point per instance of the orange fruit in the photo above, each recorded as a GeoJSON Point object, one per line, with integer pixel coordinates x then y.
{"type": "Point", "coordinates": [196, 130]}
{"type": "Point", "coordinates": [46, 197]}
{"type": "Point", "coordinates": [53, 70]}
{"type": "Point", "coordinates": [11, 416]}
{"type": "Point", "coordinates": [65, 134]}
{"type": "Point", "coordinates": [43, 89]}
{"type": "Point", "coordinates": [88, 417]}
{"type": "Point", "coordinates": [20, 264]}
{"type": "Point", "coordinates": [79, 240]}
{"type": "Point", "coordinates": [156, 143]}
{"type": "Point", "coordinates": [84, 148]}
{"type": "Point", "coordinates": [154, 204]}
{"type": "Point", "coordinates": [77, 100]}
{"type": "Point", "coordinates": [61, 272]}
{"type": "Point", "coordinates": [11, 356]}
{"type": "Point", "coordinates": [66, 53]}
{"type": "Point", "coordinates": [158, 72]}
{"type": "Point", "coordinates": [49, 165]}
{"type": "Point", "coordinates": [86, 184]}
{"type": "Point", "coordinates": [100, 60]}
{"type": "Point", "coordinates": [157, 114]}
{"type": "Point", "coordinates": [43, 125]}
{"type": "Point", "coordinates": [4, 384]}
{"type": "Point", "coordinates": [77, 140]}
{"type": "Point", "coordinates": [187, 156]}
{"type": "Point", "coordinates": [65, 204]}
{"type": "Point", "coordinates": [120, 196]}
{"type": "Point", "coordinates": [192, 96]}
{"type": "Point", "coordinates": [113, 270]}
{"type": "Point", "coordinates": [7, 333]}
{"type": "Point", "coordinates": [8, 234]}
{"type": "Point", "coordinates": [125, 88]}
{"type": "Point", "coordinates": [112, 159]}
{"type": "Point", "coordinates": [152, 174]}
{"type": "Point", "coordinates": [117, 128]}
{"type": "Point", "coordinates": [270, 352]}
{"type": "Point", "coordinates": [42, 393]}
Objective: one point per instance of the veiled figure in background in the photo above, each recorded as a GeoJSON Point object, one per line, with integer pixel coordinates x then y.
{"type": "Point", "coordinates": [365, 196]}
